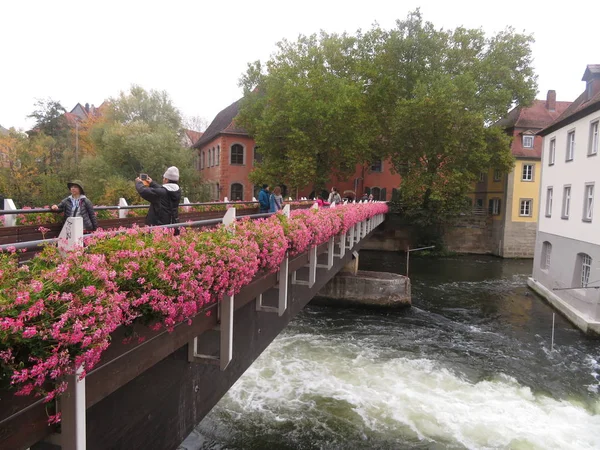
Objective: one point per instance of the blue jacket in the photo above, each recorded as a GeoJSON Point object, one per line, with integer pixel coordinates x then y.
{"type": "Point", "coordinates": [263, 199]}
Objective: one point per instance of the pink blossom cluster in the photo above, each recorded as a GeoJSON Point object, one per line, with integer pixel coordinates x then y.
{"type": "Point", "coordinates": [57, 313]}
{"type": "Point", "coordinates": [38, 218]}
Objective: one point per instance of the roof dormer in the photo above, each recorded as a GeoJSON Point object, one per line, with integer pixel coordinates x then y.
{"type": "Point", "coordinates": [591, 76]}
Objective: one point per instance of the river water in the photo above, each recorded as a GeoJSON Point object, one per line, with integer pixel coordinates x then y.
{"type": "Point", "coordinates": [469, 366]}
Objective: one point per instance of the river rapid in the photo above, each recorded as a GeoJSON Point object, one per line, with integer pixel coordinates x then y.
{"type": "Point", "coordinates": [468, 366]}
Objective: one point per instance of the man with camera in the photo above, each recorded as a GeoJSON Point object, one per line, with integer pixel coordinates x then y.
{"type": "Point", "coordinates": [164, 200]}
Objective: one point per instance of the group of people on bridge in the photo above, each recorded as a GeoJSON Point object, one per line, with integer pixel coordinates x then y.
{"type": "Point", "coordinates": [164, 200]}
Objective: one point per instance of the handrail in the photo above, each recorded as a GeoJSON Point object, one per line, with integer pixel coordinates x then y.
{"type": "Point", "coordinates": [29, 245]}
{"type": "Point", "coordinates": [117, 207]}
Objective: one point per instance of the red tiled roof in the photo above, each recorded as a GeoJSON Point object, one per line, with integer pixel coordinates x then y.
{"type": "Point", "coordinates": [579, 108]}
{"type": "Point", "coordinates": [530, 120]}
{"type": "Point", "coordinates": [193, 136]}
{"type": "Point", "coordinates": [536, 116]}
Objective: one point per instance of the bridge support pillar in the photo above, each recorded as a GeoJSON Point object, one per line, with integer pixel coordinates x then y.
{"type": "Point", "coordinates": [72, 406]}
{"type": "Point", "coordinates": [225, 338]}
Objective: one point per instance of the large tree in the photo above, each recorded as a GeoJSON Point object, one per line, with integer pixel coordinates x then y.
{"type": "Point", "coordinates": [306, 111]}
{"type": "Point", "coordinates": [422, 96]}
{"type": "Point", "coordinates": [435, 94]}
{"type": "Point", "coordinates": [139, 133]}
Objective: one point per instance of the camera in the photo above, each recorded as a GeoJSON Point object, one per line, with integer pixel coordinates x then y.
{"type": "Point", "coordinates": [143, 176]}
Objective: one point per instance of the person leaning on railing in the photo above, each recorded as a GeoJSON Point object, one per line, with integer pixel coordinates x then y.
{"type": "Point", "coordinates": [78, 205]}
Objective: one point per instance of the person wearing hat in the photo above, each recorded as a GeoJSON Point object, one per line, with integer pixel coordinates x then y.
{"type": "Point", "coordinates": [164, 200]}
{"type": "Point", "coordinates": [78, 205]}
{"type": "Point", "coordinates": [263, 199]}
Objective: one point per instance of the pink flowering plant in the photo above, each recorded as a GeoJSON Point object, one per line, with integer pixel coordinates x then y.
{"type": "Point", "coordinates": [57, 313]}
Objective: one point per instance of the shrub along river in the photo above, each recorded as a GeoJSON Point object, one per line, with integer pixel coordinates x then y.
{"type": "Point", "coordinates": [469, 366]}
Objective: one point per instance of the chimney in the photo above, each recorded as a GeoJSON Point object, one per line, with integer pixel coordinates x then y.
{"type": "Point", "coordinates": [551, 101]}
{"type": "Point", "coordinates": [87, 107]}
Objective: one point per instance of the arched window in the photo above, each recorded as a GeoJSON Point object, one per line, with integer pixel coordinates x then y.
{"type": "Point", "coordinates": [202, 161]}
{"type": "Point", "coordinates": [583, 269]}
{"type": "Point", "coordinates": [237, 192]}
{"type": "Point", "coordinates": [209, 156]}
{"type": "Point", "coordinates": [218, 154]}
{"type": "Point", "coordinates": [546, 255]}
{"type": "Point", "coordinates": [376, 193]}
{"type": "Point", "coordinates": [237, 154]}
{"type": "Point", "coordinates": [214, 157]}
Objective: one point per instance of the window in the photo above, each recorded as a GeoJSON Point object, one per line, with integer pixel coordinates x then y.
{"type": "Point", "coordinates": [210, 158]}
{"type": "Point", "coordinates": [528, 141]}
{"type": "Point", "coordinates": [552, 152]}
{"type": "Point", "coordinates": [237, 154]}
{"type": "Point", "coordinates": [218, 154]}
{"type": "Point", "coordinates": [588, 202]}
{"type": "Point", "coordinates": [214, 156]}
{"type": "Point", "coordinates": [494, 206]}
{"type": "Point", "coordinates": [549, 195]}
{"type": "Point", "coordinates": [566, 204]}
{"type": "Point", "coordinates": [546, 255]}
{"type": "Point", "coordinates": [497, 175]}
{"type": "Point", "coordinates": [481, 177]}
{"type": "Point", "coordinates": [593, 147]}
{"type": "Point", "coordinates": [376, 193]}
{"type": "Point", "coordinates": [570, 145]}
{"type": "Point", "coordinates": [237, 192]}
{"type": "Point", "coordinates": [202, 160]}
{"type": "Point", "coordinates": [377, 166]}
{"type": "Point", "coordinates": [479, 203]}
{"type": "Point", "coordinates": [257, 156]}
{"type": "Point", "coordinates": [527, 172]}
{"type": "Point", "coordinates": [586, 268]}
{"type": "Point", "coordinates": [525, 208]}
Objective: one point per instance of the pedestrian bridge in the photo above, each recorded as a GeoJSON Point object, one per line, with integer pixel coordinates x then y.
{"type": "Point", "coordinates": [153, 384]}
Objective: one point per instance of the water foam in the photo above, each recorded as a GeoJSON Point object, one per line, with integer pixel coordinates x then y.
{"type": "Point", "coordinates": [389, 396]}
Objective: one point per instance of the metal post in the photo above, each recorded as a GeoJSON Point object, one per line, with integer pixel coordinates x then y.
{"type": "Point", "coordinates": [71, 235]}
{"type": "Point", "coordinates": [407, 258]}
{"type": "Point", "coordinates": [123, 212]}
{"type": "Point", "coordinates": [10, 220]}
{"type": "Point", "coordinates": [226, 331]}
{"type": "Point", "coordinates": [552, 345]}
{"type": "Point", "coordinates": [72, 407]}
{"type": "Point", "coordinates": [312, 269]}
{"type": "Point", "coordinates": [283, 284]}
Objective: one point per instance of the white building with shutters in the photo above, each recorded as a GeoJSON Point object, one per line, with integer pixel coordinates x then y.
{"type": "Point", "coordinates": [566, 267]}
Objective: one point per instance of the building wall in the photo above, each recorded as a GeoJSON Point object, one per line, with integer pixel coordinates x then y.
{"type": "Point", "coordinates": [576, 173]}
{"type": "Point", "coordinates": [525, 190]}
{"type": "Point", "coordinates": [564, 272]}
{"type": "Point", "coordinates": [225, 174]}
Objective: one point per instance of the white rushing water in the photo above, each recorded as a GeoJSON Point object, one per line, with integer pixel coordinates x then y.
{"type": "Point", "coordinates": [388, 395]}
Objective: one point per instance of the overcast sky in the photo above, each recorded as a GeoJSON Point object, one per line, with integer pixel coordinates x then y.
{"type": "Point", "coordinates": [78, 51]}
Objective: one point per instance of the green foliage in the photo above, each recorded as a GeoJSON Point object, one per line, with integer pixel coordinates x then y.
{"type": "Point", "coordinates": [140, 135]}
{"type": "Point", "coordinates": [297, 108]}
{"type": "Point", "coordinates": [423, 97]}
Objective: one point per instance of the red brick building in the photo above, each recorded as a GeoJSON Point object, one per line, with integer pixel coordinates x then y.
{"type": "Point", "coordinates": [227, 154]}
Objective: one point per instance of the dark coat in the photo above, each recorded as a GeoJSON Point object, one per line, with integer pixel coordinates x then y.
{"type": "Point", "coordinates": [164, 202]}
{"type": "Point", "coordinates": [86, 210]}
{"type": "Point", "coordinates": [263, 200]}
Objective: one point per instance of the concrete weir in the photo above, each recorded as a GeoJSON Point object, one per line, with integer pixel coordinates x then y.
{"type": "Point", "coordinates": [365, 289]}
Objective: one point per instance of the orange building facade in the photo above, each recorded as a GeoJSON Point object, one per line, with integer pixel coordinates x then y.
{"type": "Point", "coordinates": [227, 154]}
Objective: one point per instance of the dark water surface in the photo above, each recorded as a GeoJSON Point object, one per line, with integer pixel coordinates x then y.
{"type": "Point", "coordinates": [470, 365]}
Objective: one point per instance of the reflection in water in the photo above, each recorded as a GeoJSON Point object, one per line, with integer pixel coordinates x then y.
{"type": "Point", "coordinates": [468, 366]}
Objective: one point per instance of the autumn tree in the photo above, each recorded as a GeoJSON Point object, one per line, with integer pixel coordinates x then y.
{"type": "Point", "coordinates": [24, 176]}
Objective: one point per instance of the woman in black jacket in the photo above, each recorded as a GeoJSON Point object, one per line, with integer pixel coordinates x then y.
{"type": "Point", "coordinates": [78, 205]}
